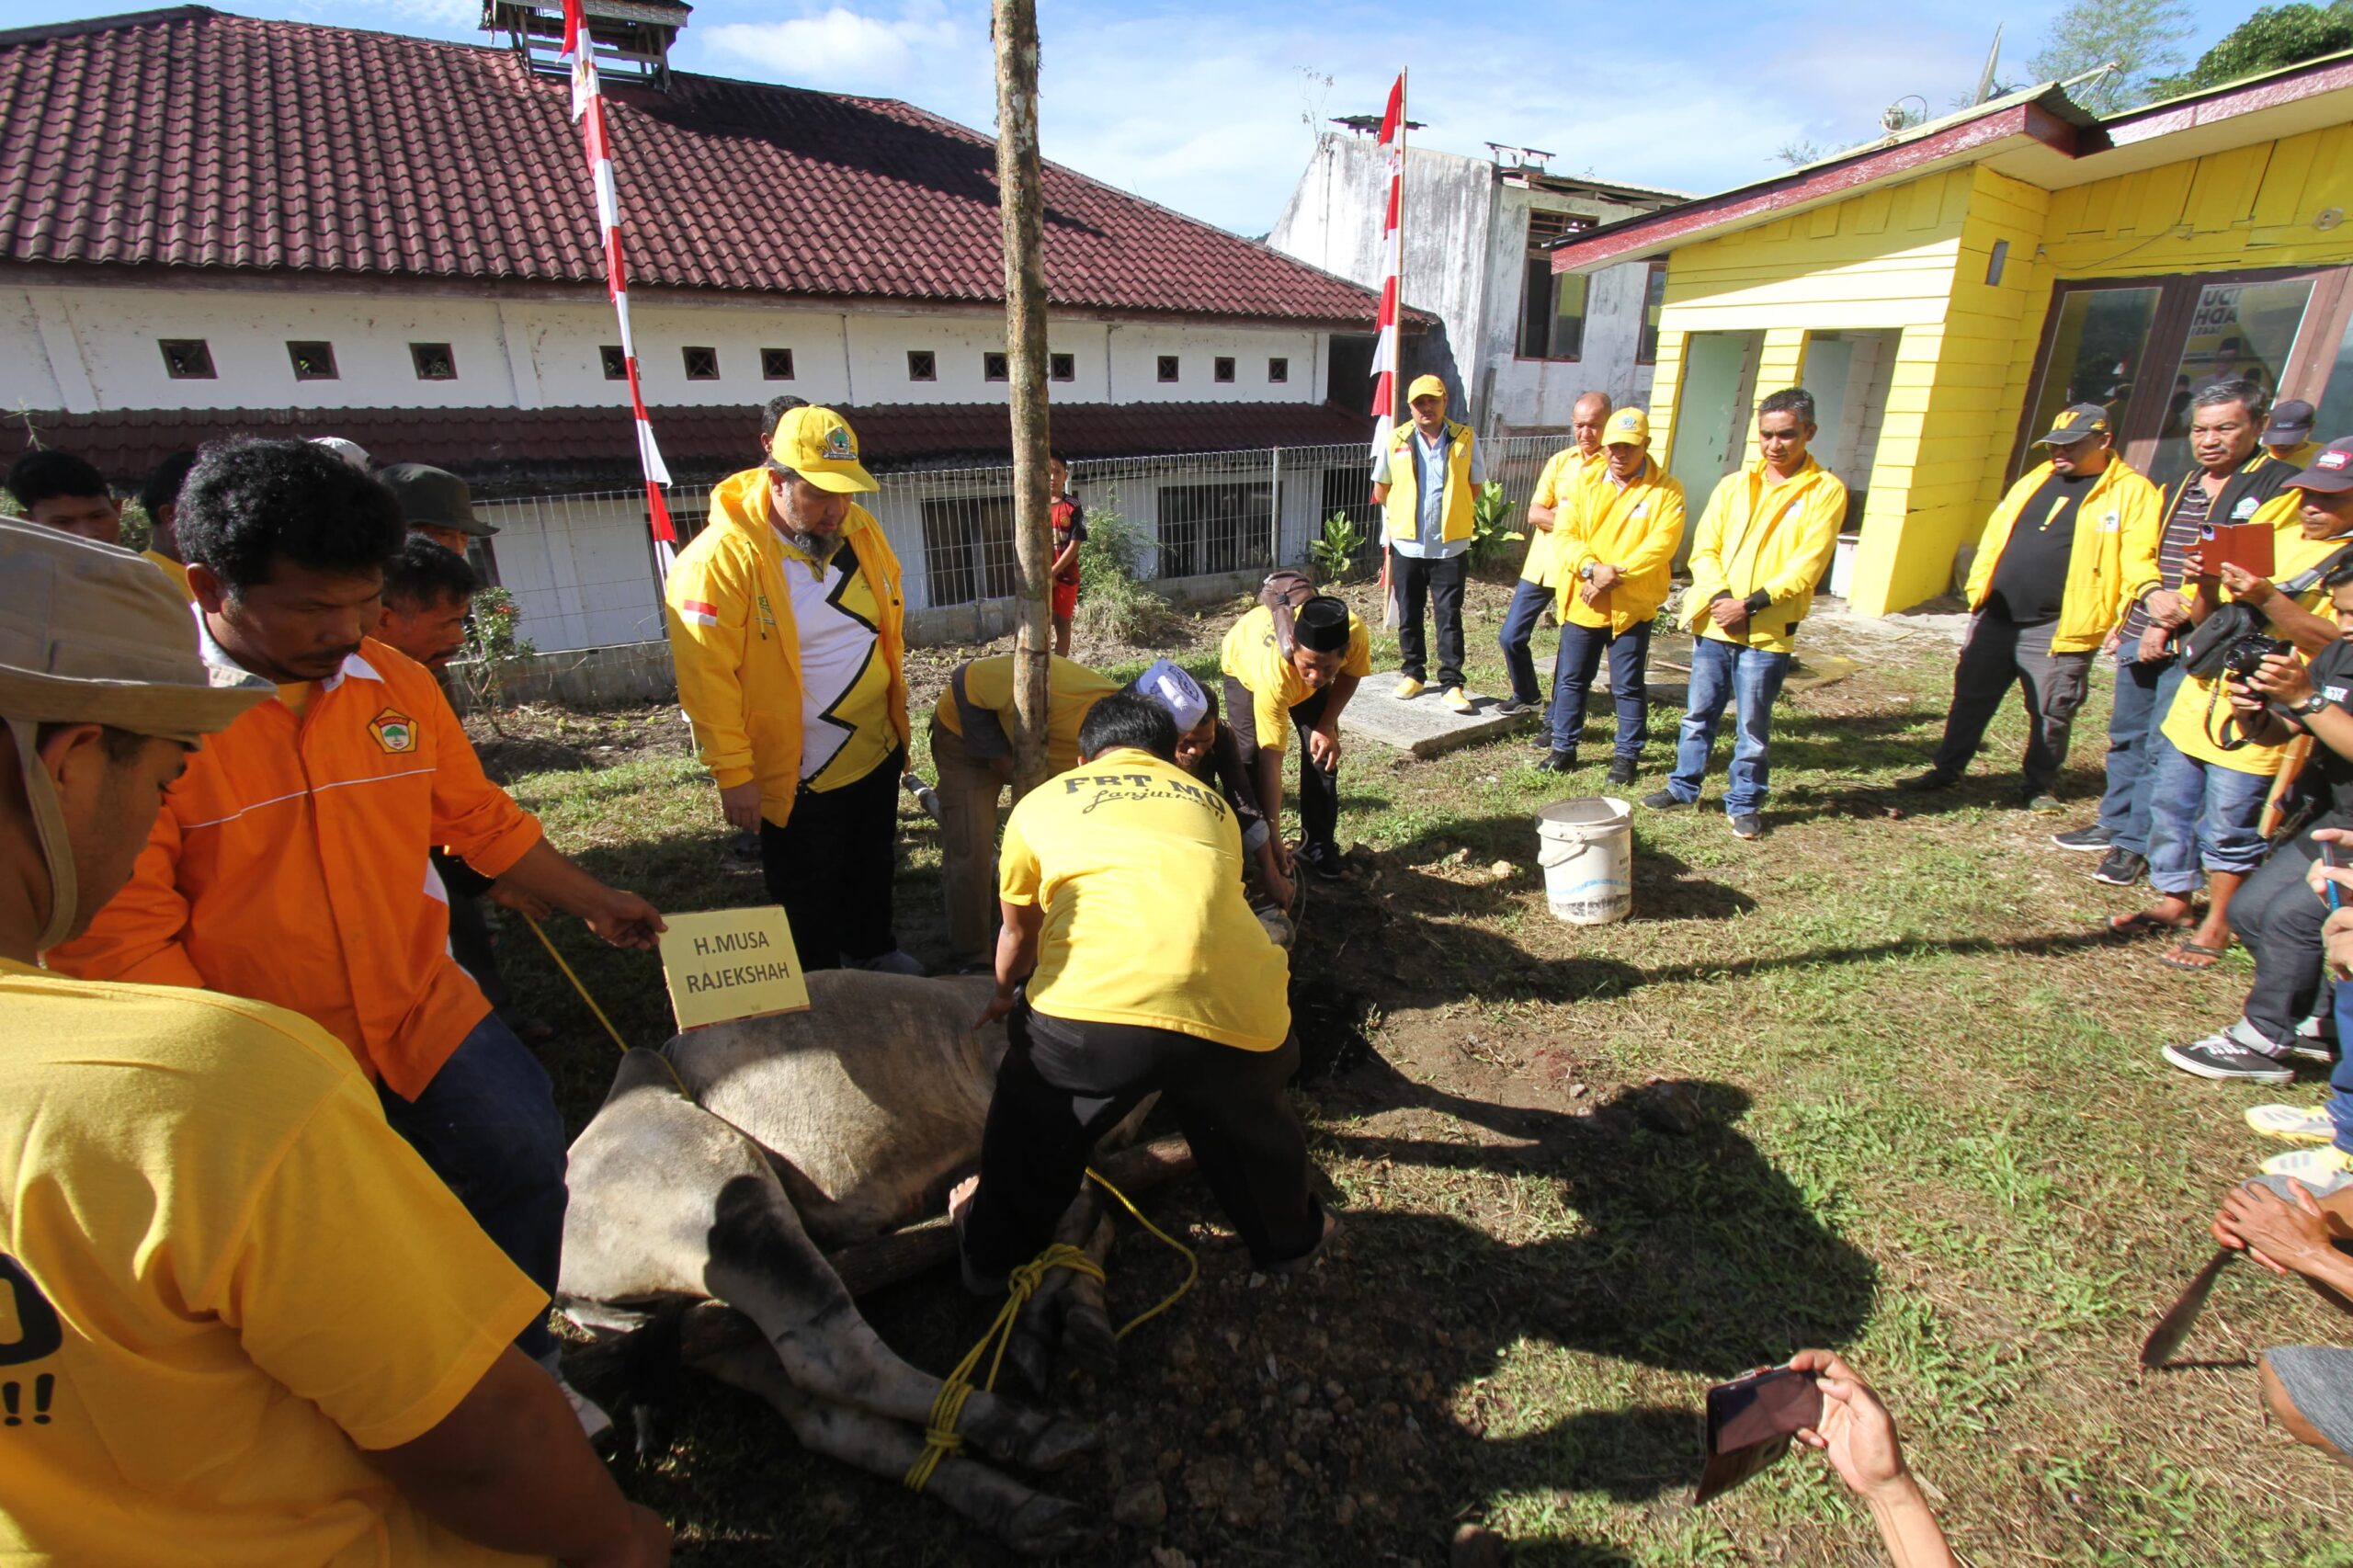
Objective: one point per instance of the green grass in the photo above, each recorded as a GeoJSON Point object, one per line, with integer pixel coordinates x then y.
{"type": "Point", "coordinates": [1932, 1131]}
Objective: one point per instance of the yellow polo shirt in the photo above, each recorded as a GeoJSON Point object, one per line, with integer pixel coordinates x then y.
{"type": "Point", "coordinates": [222, 1276]}
{"type": "Point", "coordinates": [2197, 702]}
{"type": "Point", "coordinates": [1071, 692]}
{"type": "Point", "coordinates": [1254, 655]}
{"type": "Point", "coordinates": [1556, 487]}
{"type": "Point", "coordinates": [1138, 866]}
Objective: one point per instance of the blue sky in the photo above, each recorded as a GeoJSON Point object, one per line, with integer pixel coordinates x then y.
{"type": "Point", "coordinates": [1207, 106]}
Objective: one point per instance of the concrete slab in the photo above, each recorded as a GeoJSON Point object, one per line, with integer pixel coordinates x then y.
{"type": "Point", "coordinates": [1423, 726]}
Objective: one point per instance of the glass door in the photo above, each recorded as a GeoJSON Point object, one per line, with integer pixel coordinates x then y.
{"type": "Point", "coordinates": [2098, 343]}
{"type": "Point", "coordinates": [2243, 332]}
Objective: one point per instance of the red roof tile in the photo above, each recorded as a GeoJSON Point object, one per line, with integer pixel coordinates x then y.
{"type": "Point", "coordinates": [189, 138]}
{"type": "Point", "coordinates": [545, 451]}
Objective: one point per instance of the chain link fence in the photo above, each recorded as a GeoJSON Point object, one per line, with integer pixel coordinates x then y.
{"type": "Point", "coordinates": [581, 567]}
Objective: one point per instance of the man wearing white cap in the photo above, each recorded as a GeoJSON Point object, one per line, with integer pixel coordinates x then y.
{"type": "Point", "coordinates": [787, 626]}
{"type": "Point", "coordinates": [1424, 482]}
{"type": "Point", "coordinates": [294, 1344]}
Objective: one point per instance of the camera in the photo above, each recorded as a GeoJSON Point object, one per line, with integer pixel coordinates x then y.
{"type": "Point", "coordinates": [2243, 660]}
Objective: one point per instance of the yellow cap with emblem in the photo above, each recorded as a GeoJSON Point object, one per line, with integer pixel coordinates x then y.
{"type": "Point", "coordinates": [1627, 428]}
{"type": "Point", "coordinates": [819, 445]}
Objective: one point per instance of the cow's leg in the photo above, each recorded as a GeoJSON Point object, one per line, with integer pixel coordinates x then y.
{"type": "Point", "coordinates": [1030, 1522]}
{"type": "Point", "coordinates": [1067, 1311]}
{"type": "Point", "coordinates": [763, 1263]}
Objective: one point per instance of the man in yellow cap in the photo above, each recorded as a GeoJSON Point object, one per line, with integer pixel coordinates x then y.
{"type": "Point", "coordinates": [245, 1322]}
{"type": "Point", "coordinates": [787, 626]}
{"type": "Point", "coordinates": [1565, 472]}
{"type": "Point", "coordinates": [1424, 481]}
{"type": "Point", "coordinates": [1614, 545]}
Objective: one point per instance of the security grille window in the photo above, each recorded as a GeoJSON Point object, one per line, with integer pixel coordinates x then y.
{"type": "Point", "coordinates": [187, 358]}
{"type": "Point", "coordinates": [923, 365]}
{"type": "Point", "coordinates": [776, 364]}
{"type": "Point", "coordinates": [992, 367]}
{"type": "Point", "coordinates": [434, 361]}
{"type": "Point", "coordinates": [1653, 307]}
{"type": "Point", "coordinates": [968, 548]}
{"type": "Point", "coordinates": [1168, 367]}
{"type": "Point", "coordinates": [702, 364]}
{"type": "Point", "coordinates": [616, 362]}
{"type": "Point", "coordinates": [1551, 324]}
{"type": "Point", "coordinates": [1062, 366]}
{"type": "Point", "coordinates": [1213, 528]}
{"type": "Point", "coordinates": [1278, 369]}
{"type": "Point", "coordinates": [312, 361]}
{"type": "Point", "coordinates": [1222, 369]}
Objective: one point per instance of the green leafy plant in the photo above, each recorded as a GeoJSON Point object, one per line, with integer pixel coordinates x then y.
{"type": "Point", "coordinates": [1491, 531]}
{"type": "Point", "coordinates": [1334, 551]}
{"type": "Point", "coordinates": [490, 642]}
{"type": "Point", "coordinates": [1112, 604]}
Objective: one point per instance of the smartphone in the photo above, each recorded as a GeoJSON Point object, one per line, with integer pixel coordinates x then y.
{"type": "Point", "coordinates": [2329, 858]}
{"type": "Point", "coordinates": [1750, 1420]}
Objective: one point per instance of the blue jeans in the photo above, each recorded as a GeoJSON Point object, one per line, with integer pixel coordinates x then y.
{"type": "Point", "coordinates": [1572, 671]}
{"type": "Point", "coordinates": [487, 1125]}
{"type": "Point", "coordinates": [1750, 679]}
{"type": "Point", "coordinates": [2143, 695]}
{"type": "Point", "coordinates": [2203, 817]}
{"type": "Point", "coordinates": [2340, 1078]}
{"type": "Point", "coordinates": [1521, 616]}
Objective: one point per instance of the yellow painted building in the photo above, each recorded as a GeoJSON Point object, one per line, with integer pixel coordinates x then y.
{"type": "Point", "coordinates": [1944, 294]}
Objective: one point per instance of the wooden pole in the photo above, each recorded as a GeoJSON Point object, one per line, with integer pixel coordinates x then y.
{"type": "Point", "coordinates": [1021, 202]}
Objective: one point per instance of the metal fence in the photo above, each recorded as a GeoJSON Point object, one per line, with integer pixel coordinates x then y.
{"type": "Point", "coordinates": [581, 567]}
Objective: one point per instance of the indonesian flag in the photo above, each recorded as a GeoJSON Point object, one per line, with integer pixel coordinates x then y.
{"type": "Point", "coordinates": [1384, 347]}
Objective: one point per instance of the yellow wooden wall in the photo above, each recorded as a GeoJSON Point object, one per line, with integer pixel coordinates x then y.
{"type": "Point", "coordinates": [1914, 257]}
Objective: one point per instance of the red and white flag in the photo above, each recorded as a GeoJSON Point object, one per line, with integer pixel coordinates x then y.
{"type": "Point", "coordinates": [1384, 346]}
{"type": "Point", "coordinates": [588, 108]}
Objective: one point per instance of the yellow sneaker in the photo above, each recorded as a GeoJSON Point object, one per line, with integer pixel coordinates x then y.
{"type": "Point", "coordinates": [2292, 1123]}
{"type": "Point", "coordinates": [2323, 1171]}
{"type": "Point", "coordinates": [1461, 700]}
{"type": "Point", "coordinates": [1407, 690]}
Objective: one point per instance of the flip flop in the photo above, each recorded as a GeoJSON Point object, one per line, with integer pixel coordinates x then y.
{"type": "Point", "coordinates": [2133, 927]}
{"type": "Point", "coordinates": [2186, 955]}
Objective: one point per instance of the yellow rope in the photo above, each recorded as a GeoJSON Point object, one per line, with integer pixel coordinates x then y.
{"type": "Point", "coordinates": [940, 1438]}
{"type": "Point", "coordinates": [542, 936]}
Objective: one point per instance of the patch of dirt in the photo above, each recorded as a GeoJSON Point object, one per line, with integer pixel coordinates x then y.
{"type": "Point", "coordinates": [543, 738]}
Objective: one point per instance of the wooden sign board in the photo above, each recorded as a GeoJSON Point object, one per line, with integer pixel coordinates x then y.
{"type": "Point", "coordinates": [723, 964]}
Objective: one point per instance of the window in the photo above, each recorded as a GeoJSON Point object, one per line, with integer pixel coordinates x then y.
{"type": "Point", "coordinates": [1278, 369]}
{"type": "Point", "coordinates": [1213, 528]}
{"type": "Point", "coordinates": [1168, 367]}
{"type": "Point", "coordinates": [968, 548]}
{"type": "Point", "coordinates": [994, 367]}
{"type": "Point", "coordinates": [187, 358]}
{"type": "Point", "coordinates": [1551, 313]}
{"type": "Point", "coordinates": [1995, 263]}
{"type": "Point", "coordinates": [1222, 369]}
{"type": "Point", "coordinates": [776, 364]}
{"type": "Point", "coordinates": [923, 365]}
{"type": "Point", "coordinates": [2238, 332]}
{"type": "Point", "coordinates": [312, 361]}
{"type": "Point", "coordinates": [1653, 306]}
{"type": "Point", "coordinates": [616, 362]}
{"type": "Point", "coordinates": [1062, 366]}
{"type": "Point", "coordinates": [702, 364]}
{"type": "Point", "coordinates": [434, 361]}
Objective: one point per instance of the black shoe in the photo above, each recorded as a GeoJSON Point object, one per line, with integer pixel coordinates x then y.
{"type": "Point", "coordinates": [1512, 708]}
{"type": "Point", "coordinates": [1558, 762]}
{"type": "Point", "coordinates": [2092, 840]}
{"type": "Point", "coordinates": [1935, 779]}
{"type": "Point", "coordinates": [1621, 771]}
{"type": "Point", "coordinates": [1666, 801]}
{"type": "Point", "coordinates": [1322, 858]}
{"type": "Point", "coordinates": [2120, 869]}
{"type": "Point", "coordinates": [1543, 740]}
{"type": "Point", "coordinates": [1748, 825]}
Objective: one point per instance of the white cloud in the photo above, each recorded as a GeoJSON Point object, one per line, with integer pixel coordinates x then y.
{"type": "Point", "coordinates": [841, 48]}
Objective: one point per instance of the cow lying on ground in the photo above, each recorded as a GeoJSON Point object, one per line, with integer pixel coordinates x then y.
{"type": "Point", "coordinates": [779, 1138]}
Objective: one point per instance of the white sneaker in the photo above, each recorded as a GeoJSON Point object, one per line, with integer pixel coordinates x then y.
{"type": "Point", "coordinates": [2323, 1171]}
{"type": "Point", "coordinates": [2292, 1123]}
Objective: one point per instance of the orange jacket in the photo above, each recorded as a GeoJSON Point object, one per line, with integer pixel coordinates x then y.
{"type": "Point", "coordinates": [289, 865]}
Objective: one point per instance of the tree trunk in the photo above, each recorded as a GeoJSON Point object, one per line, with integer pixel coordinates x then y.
{"type": "Point", "coordinates": [1022, 204]}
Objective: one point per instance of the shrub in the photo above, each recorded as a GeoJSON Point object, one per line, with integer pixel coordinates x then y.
{"type": "Point", "coordinates": [1335, 553]}
{"type": "Point", "coordinates": [1491, 530]}
{"type": "Point", "coordinates": [1112, 605]}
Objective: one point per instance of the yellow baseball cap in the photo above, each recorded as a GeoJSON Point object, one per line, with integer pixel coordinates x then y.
{"type": "Point", "coordinates": [1627, 428]}
{"type": "Point", "coordinates": [819, 445]}
{"type": "Point", "coordinates": [1427, 386]}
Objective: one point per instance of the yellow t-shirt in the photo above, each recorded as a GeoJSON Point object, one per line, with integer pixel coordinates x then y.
{"type": "Point", "coordinates": [1072, 691]}
{"type": "Point", "coordinates": [224, 1276]}
{"type": "Point", "coordinates": [1138, 867]}
{"type": "Point", "coordinates": [1253, 655]}
{"type": "Point", "coordinates": [1562, 472]}
{"type": "Point", "coordinates": [2186, 720]}
{"type": "Point", "coordinates": [175, 570]}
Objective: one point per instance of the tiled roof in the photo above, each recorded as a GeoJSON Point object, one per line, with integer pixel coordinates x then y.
{"type": "Point", "coordinates": [547, 451]}
{"type": "Point", "coordinates": [188, 138]}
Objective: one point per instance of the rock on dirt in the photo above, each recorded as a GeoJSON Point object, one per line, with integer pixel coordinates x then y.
{"type": "Point", "coordinates": [1665, 1105]}
{"type": "Point", "coordinates": [1475, 1546]}
{"type": "Point", "coordinates": [1143, 1506]}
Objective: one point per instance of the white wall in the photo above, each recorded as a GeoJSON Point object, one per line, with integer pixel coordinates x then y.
{"type": "Point", "coordinates": [84, 350]}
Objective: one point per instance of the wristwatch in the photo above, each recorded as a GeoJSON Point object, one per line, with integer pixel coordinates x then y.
{"type": "Point", "coordinates": [2312, 705]}
{"type": "Point", "coordinates": [1584, 572]}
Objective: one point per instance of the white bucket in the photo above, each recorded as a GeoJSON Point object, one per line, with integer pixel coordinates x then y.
{"type": "Point", "coordinates": [1586, 849]}
{"type": "Point", "coordinates": [1842, 565]}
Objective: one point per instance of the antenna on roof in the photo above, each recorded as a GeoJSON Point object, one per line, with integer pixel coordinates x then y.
{"type": "Point", "coordinates": [1993, 64]}
{"type": "Point", "coordinates": [1368, 124]}
{"type": "Point", "coordinates": [631, 38]}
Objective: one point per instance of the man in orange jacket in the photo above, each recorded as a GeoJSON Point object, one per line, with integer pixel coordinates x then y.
{"type": "Point", "coordinates": [290, 863]}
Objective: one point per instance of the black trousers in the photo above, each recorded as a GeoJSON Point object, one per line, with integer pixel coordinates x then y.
{"type": "Point", "coordinates": [831, 864]}
{"type": "Point", "coordinates": [2278, 918]}
{"type": "Point", "coordinates": [1064, 1084]}
{"type": "Point", "coordinates": [1319, 786]}
{"type": "Point", "coordinates": [1440, 582]}
{"type": "Point", "coordinates": [2001, 653]}
{"type": "Point", "coordinates": [470, 939]}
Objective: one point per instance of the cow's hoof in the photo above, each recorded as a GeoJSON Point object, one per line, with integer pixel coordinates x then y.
{"type": "Point", "coordinates": [1063, 1441]}
{"type": "Point", "coordinates": [1049, 1527]}
{"type": "Point", "coordinates": [1088, 1343]}
{"type": "Point", "coordinates": [1031, 1357]}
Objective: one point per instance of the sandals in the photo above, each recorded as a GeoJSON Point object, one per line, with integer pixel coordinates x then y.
{"type": "Point", "coordinates": [2133, 927]}
{"type": "Point", "coordinates": [2195, 957]}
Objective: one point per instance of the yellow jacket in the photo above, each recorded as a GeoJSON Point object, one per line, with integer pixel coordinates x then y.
{"type": "Point", "coordinates": [175, 570]}
{"type": "Point", "coordinates": [2121, 506]}
{"type": "Point", "coordinates": [1565, 473]}
{"type": "Point", "coordinates": [1401, 513]}
{"type": "Point", "coordinates": [1634, 527]}
{"type": "Point", "coordinates": [1773, 541]}
{"type": "Point", "coordinates": [730, 619]}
